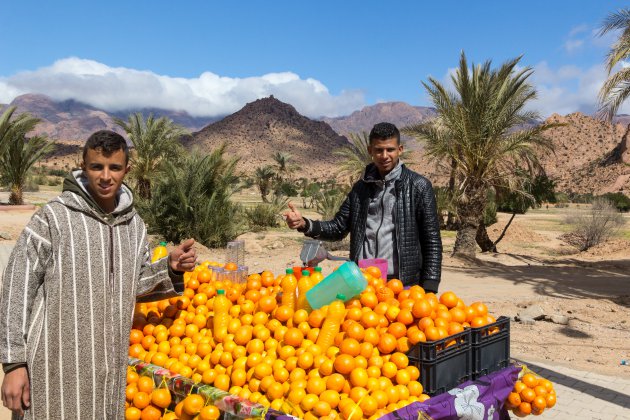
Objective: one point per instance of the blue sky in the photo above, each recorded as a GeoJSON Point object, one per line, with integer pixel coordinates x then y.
{"type": "Point", "coordinates": [326, 57]}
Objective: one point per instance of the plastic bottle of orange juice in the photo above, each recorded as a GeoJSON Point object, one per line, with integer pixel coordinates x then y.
{"type": "Point", "coordinates": [317, 276]}
{"type": "Point", "coordinates": [221, 308]}
{"type": "Point", "coordinates": [332, 323]}
{"type": "Point", "coordinates": [304, 285]}
{"type": "Point", "coordinates": [159, 252]}
{"type": "Point", "coordinates": [289, 286]}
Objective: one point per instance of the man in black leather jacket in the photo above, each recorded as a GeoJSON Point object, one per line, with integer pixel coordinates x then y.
{"type": "Point", "coordinates": [390, 213]}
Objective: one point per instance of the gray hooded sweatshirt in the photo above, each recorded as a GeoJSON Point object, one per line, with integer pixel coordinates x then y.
{"type": "Point", "coordinates": [380, 228]}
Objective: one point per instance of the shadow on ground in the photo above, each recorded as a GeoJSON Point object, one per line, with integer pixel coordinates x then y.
{"type": "Point", "coordinates": [564, 278]}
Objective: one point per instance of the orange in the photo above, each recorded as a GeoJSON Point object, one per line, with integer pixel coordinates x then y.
{"type": "Point", "coordinates": [528, 395]}
{"type": "Point", "coordinates": [513, 400]}
{"type": "Point", "coordinates": [193, 404]}
{"type": "Point", "coordinates": [141, 400]}
{"type": "Point", "coordinates": [151, 412]}
{"type": "Point", "coordinates": [550, 400]}
{"type": "Point", "coordinates": [523, 409]}
{"type": "Point", "coordinates": [209, 412]}
{"type": "Point", "coordinates": [359, 377]}
{"type": "Point", "coordinates": [387, 343]}
{"type": "Point", "coordinates": [283, 313]}
{"type": "Point", "coordinates": [397, 329]}
{"type": "Point", "coordinates": [315, 385]}
{"type": "Point", "coordinates": [132, 413]}
{"type": "Point", "coordinates": [145, 384]}
{"type": "Point", "coordinates": [267, 304]}
{"type": "Point", "coordinates": [530, 380]}
{"type": "Point", "coordinates": [336, 381]}
{"type": "Point", "coordinates": [373, 271]}
{"type": "Point", "coordinates": [344, 363]}
{"type": "Point", "coordinates": [425, 322]}
{"type": "Point", "coordinates": [369, 299]}
{"type": "Point", "coordinates": [350, 346]}
{"type": "Point", "coordinates": [400, 360]}
{"type": "Point", "coordinates": [449, 299]}
{"type": "Point", "coordinates": [130, 392]}
{"type": "Point", "coordinates": [395, 285]}
{"type": "Point", "coordinates": [405, 316]}
{"type": "Point", "coordinates": [432, 333]}
{"type": "Point", "coordinates": [539, 403]}
{"type": "Point", "coordinates": [480, 308]}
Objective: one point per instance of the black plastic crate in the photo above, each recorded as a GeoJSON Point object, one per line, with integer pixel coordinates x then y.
{"type": "Point", "coordinates": [491, 347]}
{"type": "Point", "coordinates": [443, 364]}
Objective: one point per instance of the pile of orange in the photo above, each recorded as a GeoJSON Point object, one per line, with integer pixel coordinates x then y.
{"type": "Point", "coordinates": [531, 395]}
{"type": "Point", "coordinates": [270, 355]}
{"type": "Point", "coordinates": [146, 402]}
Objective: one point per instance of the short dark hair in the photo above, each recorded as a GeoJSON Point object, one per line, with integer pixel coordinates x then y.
{"type": "Point", "coordinates": [108, 142]}
{"type": "Point", "coordinates": [384, 131]}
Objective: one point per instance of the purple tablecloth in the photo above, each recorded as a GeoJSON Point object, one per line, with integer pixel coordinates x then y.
{"type": "Point", "coordinates": [481, 399]}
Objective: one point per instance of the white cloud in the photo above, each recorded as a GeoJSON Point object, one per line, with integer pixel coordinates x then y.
{"type": "Point", "coordinates": [573, 45]}
{"type": "Point", "coordinates": [569, 89]}
{"type": "Point", "coordinates": [562, 90]}
{"type": "Point", "coordinates": [121, 89]}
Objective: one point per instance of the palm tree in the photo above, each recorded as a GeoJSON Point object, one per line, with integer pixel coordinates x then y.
{"type": "Point", "coordinates": [616, 88]}
{"type": "Point", "coordinates": [355, 156]}
{"type": "Point", "coordinates": [263, 178]}
{"type": "Point", "coordinates": [282, 163]}
{"type": "Point", "coordinates": [19, 153]}
{"type": "Point", "coordinates": [155, 141]}
{"type": "Point", "coordinates": [477, 131]}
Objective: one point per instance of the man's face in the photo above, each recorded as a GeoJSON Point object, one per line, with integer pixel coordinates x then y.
{"type": "Point", "coordinates": [105, 175]}
{"type": "Point", "coordinates": [385, 154]}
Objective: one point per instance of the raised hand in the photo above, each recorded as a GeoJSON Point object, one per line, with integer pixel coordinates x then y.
{"type": "Point", "coordinates": [293, 217]}
{"type": "Point", "coordinates": [184, 257]}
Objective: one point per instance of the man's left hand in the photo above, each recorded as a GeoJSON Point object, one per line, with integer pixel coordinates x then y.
{"type": "Point", "coordinates": [184, 257]}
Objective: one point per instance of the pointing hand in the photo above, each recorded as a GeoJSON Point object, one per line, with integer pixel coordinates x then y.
{"type": "Point", "coordinates": [184, 257]}
{"type": "Point", "coordinates": [294, 218]}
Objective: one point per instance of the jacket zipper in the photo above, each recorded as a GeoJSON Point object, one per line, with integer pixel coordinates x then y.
{"type": "Point", "coordinates": [381, 224]}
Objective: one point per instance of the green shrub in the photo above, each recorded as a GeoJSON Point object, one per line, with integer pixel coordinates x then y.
{"type": "Point", "coordinates": [53, 181]}
{"type": "Point", "coordinates": [620, 201]}
{"type": "Point", "coordinates": [192, 200]}
{"type": "Point", "coordinates": [265, 215]}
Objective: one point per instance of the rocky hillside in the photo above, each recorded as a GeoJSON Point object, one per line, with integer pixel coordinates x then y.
{"type": "Point", "coordinates": [590, 155]}
{"type": "Point", "coordinates": [75, 121]}
{"type": "Point", "coordinates": [266, 126]}
{"type": "Point", "coordinates": [399, 113]}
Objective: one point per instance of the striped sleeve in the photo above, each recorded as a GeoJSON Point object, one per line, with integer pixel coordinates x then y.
{"type": "Point", "coordinates": [22, 278]}
{"type": "Point", "coordinates": [157, 281]}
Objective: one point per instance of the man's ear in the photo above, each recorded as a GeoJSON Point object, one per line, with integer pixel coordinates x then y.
{"type": "Point", "coordinates": [127, 169]}
{"type": "Point", "coordinates": [83, 167]}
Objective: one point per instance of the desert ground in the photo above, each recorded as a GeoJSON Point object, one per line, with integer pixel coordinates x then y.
{"type": "Point", "coordinates": [534, 269]}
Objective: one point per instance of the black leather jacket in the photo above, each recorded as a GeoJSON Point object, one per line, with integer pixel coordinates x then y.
{"type": "Point", "coordinates": [417, 228]}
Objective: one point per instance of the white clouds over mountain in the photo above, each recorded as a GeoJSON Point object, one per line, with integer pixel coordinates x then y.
{"type": "Point", "coordinates": [120, 89]}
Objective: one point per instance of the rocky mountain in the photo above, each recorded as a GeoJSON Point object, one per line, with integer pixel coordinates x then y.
{"type": "Point", "coordinates": [590, 155]}
{"type": "Point", "coordinates": [400, 114]}
{"type": "Point", "coordinates": [75, 121]}
{"type": "Point", "coordinates": [266, 126]}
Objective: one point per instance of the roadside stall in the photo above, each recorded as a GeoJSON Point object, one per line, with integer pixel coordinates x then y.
{"type": "Point", "coordinates": [347, 344]}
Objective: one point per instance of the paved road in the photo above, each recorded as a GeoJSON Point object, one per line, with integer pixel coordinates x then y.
{"type": "Point", "coordinates": [581, 395]}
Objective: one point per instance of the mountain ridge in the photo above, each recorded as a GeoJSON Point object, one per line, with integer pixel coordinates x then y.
{"type": "Point", "coordinates": [591, 155]}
